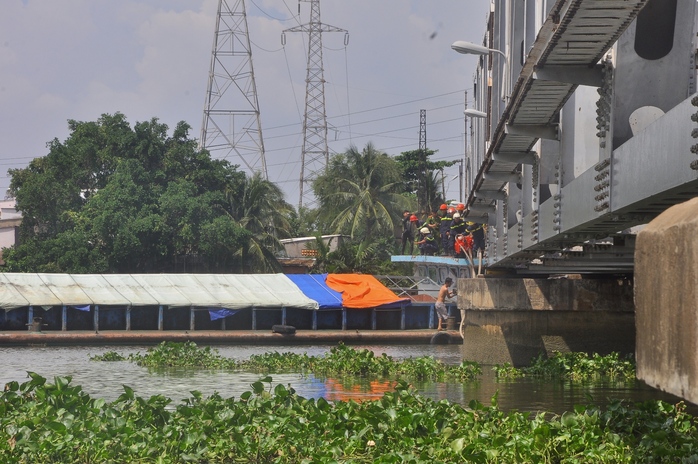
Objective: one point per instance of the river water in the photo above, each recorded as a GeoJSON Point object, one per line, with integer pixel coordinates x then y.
{"type": "Point", "coordinates": [106, 379]}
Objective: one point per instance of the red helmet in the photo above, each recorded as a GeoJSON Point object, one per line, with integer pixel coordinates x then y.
{"type": "Point", "coordinates": [460, 207]}
{"type": "Point", "coordinates": [451, 210]}
{"type": "Point", "coordinates": [443, 206]}
{"type": "Point", "coordinates": [414, 218]}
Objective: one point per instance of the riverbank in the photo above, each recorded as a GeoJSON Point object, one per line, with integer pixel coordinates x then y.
{"type": "Point", "coordinates": [232, 337]}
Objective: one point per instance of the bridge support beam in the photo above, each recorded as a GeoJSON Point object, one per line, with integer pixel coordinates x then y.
{"type": "Point", "coordinates": [515, 320]}
{"type": "Point", "coordinates": [666, 280]}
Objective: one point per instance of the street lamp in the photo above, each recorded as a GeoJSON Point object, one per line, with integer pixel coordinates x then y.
{"type": "Point", "coordinates": [469, 48]}
{"type": "Point", "coordinates": [474, 113]}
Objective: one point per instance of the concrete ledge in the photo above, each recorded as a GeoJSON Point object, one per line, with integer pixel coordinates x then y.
{"type": "Point", "coordinates": [517, 294]}
{"type": "Point", "coordinates": [232, 337]}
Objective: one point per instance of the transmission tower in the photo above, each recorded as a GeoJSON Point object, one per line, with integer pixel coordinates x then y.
{"type": "Point", "coordinates": [422, 152]}
{"type": "Point", "coordinates": [423, 131]}
{"type": "Point", "coordinates": [315, 154]}
{"type": "Point", "coordinates": [231, 127]}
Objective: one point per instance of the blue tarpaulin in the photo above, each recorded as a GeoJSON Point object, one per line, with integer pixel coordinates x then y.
{"type": "Point", "coordinates": [315, 288]}
{"type": "Point", "coordinates": [221, 313]}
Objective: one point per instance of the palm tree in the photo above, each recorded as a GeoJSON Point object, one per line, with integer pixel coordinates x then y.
{"type": "Point", "coordinates": [258, 206]}
{"type": "Point", "coordinates": [360, 194]}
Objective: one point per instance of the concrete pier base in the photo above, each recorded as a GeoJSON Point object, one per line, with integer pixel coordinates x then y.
{"type": "Point", "coordinates": [666, 298]}
{"type": "Point", "coordinates": [516, 320]}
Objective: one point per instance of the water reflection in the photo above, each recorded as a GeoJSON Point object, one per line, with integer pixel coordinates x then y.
{"type": "Point", "coordinates": [338, 390]}
{"type": "Point", "coordinates": [106, 379]}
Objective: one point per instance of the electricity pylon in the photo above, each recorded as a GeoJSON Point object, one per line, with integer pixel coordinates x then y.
{"type": "Point", "coordinates": [315, 154]}
{"type": "Point", "coordinates": [231, 127]}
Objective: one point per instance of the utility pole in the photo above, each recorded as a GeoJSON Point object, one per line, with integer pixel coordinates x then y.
{"type": "Point", "coordinates": [231, 128]}
{"type": "Point", "coordinates": [315, 153]}
{"type": "Point", "coordinates": [465, 164]}
{"type": "Point", "coordinates": [423, 155]}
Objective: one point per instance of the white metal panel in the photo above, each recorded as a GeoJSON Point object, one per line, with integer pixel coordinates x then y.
{"type": "Point", "coordinates": [656, 160]}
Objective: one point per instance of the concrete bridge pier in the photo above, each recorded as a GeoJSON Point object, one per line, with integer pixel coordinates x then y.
{"type": "Point", "coordinates": [666, 298]}
{"type": "Point", "coordinates": [516, 319]}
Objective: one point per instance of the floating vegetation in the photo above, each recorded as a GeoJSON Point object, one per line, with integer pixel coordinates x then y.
{"type": "Point", "coordinates": [340, 361]}
{"type": "Point", "coordinates": [573, 366]}
{"type": "Point", "coordinates": [55, 422]}
{"type": "Point", "coordinates": [187, 354]}
{"type": "Point", "coordinates": [108, 356]}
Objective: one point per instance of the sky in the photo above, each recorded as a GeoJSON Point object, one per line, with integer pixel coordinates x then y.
{"type": "Point", "coordinates": [66, 60]}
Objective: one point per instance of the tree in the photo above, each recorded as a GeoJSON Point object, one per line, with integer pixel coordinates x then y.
{"type": "Point", "coordinates": [259, 207]}
{"type": "Point", "coordinates": [362, 257]}
{"type": "Point", "coordinates": [423, 177]}
{"type": "Point", "coordinates": [116, 199]}
{"type": "Point", "coordinates": [360, 194]}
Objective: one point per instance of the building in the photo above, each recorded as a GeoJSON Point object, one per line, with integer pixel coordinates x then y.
{"type": "Point", "coordinates": [10, 219]}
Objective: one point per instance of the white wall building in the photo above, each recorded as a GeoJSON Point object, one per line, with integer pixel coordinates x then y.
{"type": "Point", "coordinates": [10, 219]}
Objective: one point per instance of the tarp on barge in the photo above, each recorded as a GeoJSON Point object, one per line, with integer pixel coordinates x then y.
{"type": "Point", "coordinates": [232, 291]}
{"type": "Point", "coordinates": [362, 291]}
{"type": "Point", "coordinates": [314, 287]}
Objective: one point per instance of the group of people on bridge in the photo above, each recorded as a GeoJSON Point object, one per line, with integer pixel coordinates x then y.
{"type": "Point", "coordinates": [444, 233]}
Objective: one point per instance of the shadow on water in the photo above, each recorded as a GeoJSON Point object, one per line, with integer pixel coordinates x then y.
{"type": "Point", "coordinates": [106, 379]}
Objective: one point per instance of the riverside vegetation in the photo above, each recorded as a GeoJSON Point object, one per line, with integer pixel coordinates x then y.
{"type": "Point", "coordinates": [44, 422]}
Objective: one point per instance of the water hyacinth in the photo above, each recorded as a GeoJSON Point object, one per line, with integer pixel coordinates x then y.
{"type": "Point", "coordinates": [44, 422]}
{"type": "Point", "coordinates": [575, 366]}
{"type": "Point", "coordinates": [187, 354]}
{"type": "Point", "coordinates": [340, 361]}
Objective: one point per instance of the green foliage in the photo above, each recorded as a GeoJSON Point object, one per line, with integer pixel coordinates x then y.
{"type": "Point", "coordinates": [109, 356]}
{"type": "Point", "coordinates": [359, 195]}
{"type": "Point", "coordinates": [423, 178]}
{"type": "Point", "coordinates": [259, 207]}
{"type": "Point", "coordinates": [340, 361]}
{"type": "Point", "coordinates": [44, 422]}
{"type": "Point", "coordinates": [187, 354]}
{"type": "Point", "coordinates": [304, 223]}
{"type": "Point", "coordinates": [573, 366]}
{"type": "Point", "coordinates": [116, 199]}
{"type": "Point", "coordinates": [506, 370]}
{"type": "Point", "coordinates": [363, 257]}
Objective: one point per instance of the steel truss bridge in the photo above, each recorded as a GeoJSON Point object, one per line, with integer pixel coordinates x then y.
{"type": "Point", "coordinates": [590, 130]}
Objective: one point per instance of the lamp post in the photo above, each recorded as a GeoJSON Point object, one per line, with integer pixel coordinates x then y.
{"type": "Point", "coordinates": [474, 113]}
{"type": "Point", "coordinates": [469, 48]}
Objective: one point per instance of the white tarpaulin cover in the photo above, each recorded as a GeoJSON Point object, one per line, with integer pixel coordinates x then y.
{"type": "Point", "coordinates": [32, 289]}
{"type": "Point", "coordinates": [234, 291]}
{"type": "Point", "coordinates": [131, 289]}
{"type": "Point", "coordinates": [66, 289]}
{"type": "Point", "coordinates": [98, 289]}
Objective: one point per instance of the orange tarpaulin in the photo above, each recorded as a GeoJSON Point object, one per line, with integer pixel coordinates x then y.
{"type": "Point", "coordinates": [363, 291]}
